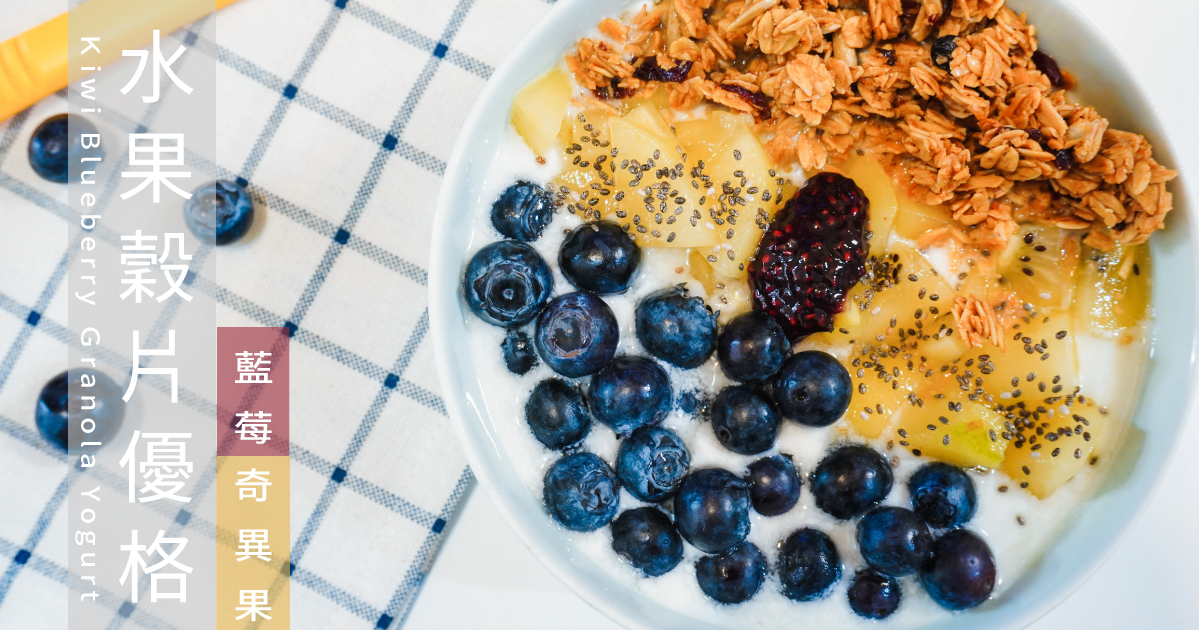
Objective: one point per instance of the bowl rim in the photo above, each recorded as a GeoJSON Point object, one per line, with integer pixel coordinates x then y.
{"type": "Point", "coordinates": [440, 309]}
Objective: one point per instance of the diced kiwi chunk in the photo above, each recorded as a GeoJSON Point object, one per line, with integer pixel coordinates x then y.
{"type": "Point", "coordinates": [1041, 463]}
{"type": "Point", "coordinates": [1113, 289]}
{"type": "Point", "coordinates": [539, 108]}
{"type": "Point", "coordinates": [883, 384]}
{"type": "Point", "coordinates": [1039, 264]}
{"type": "Point", "coordinates": [877, 186]}
{"type": "Point", "coordinates": [954, 429]}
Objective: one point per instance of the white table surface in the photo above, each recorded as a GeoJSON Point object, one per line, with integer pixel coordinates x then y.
{"type": "Point", "coordinates": [484, 578]}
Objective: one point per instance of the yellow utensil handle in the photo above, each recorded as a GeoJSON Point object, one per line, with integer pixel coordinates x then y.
{"type": "Point", "coordinates": [34, 64]}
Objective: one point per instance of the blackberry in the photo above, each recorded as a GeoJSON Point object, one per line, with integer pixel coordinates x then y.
{"type": "Point", "coordinates": [813, 254]}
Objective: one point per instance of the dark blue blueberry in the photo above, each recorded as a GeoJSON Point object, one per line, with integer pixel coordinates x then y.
{"type": "Point", "coordinates": [850, 481]}
{"type": "Point", "coordinates": [942, 51]}
{"type": "Point", "coordinates": [523, 211]}
{"type": "Point", "coordinates": [507, 283]}
{"type": "Point", "coordinates": [812, 388]}
{"type": "Point", "coordinates": [774, 485]}
{"type": "Point", "coordinates": [752, 347]}
{"type": "Point", "coordinates": [894, 540]}
{"type": "Point", "coordinates": [519, 355]}
{"type": "Point", "coordinates": [557, 414]}
{"type": "Point", "coordinates": [581, 492]}
{"type": "Point", "coordinates": [962, 572]}
{"type": "Point", "coordinates": [652, 463]}
{"type": "Point", "coordinates": [678, 329]}
{"type": "Point", "coordinates": [599, 257]}
{"type": "Point", "coordinates": [576, 334]}
{"type": "Point", "coordinates": [695, 403]}
{"type": "Point", "coordinates": [219, 212]}
{"type": "Point", "coordinates": [744, 420]}
{"type": "Point", "coordinates": [630, 392]}
{"type": "Point", "coordinates": [808, 564]}
{"type": "Point", "coordinates": [57, 145]}
{"type": "Point", "coordinates": [712, 509]}
{"type": "Point", "coordinates": [943, 495]}
{"type": "Point", "coordinates": [58, 410]}
{"type": "Point", "coordinates": [734, 576]}
{"type": "Point", "coordinates": [647, 539]}
{"type": "Point", "coordinates": [874, 596]}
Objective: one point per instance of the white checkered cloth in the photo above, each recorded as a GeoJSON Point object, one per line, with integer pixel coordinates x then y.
{"type": "Point", "coordinates": [341, 116]}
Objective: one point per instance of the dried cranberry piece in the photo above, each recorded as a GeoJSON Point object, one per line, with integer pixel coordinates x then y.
{"type": "Point", "coordinates": [813, 254]}
{"type": "Point", "coordinates": [889, 55]}
{"type": "Point", "coordinates": [754, 98]}
{"type": "Point", "coordinates": [947, 6]}
{"type": "Point", "coordinates": [651, 71]}
{"type": "Point", "coordinates": [1049, 67]}
{"type": "Point", "coordinates": [909, 9]}
{"type": "Point", "coordinates": [1034, 133]}
{"type": "Point", "coordinates": [612, 91]}
{"type": "Point", "coordinates": [1064, 159]}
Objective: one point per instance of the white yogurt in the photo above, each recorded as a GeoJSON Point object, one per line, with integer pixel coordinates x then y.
{"type": "Point", "coordinates": [1016, 547]}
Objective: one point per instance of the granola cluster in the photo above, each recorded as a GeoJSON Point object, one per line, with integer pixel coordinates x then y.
{"type": "Point", "coordinates": [952, 96]}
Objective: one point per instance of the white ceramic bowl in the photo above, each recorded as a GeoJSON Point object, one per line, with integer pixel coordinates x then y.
{"type": "Point", "coordinates": [1161, 414]}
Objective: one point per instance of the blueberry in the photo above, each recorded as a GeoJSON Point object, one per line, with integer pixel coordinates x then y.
{"type": "Point", "coordinates": [851, 480]}
{"type": "Point", "coordinates": [630, 392]}
{"type": "Point", "coordinates": [219, 212]}
{"type": "Point", "coordinates": [576, 334]}
{"type": "Point", "coordinates": [734, 576]}
{"type": "Point", "coordinates": [519, 355]}
{"type": "Point", "coordinates": [523, 211]}
{"type": "Point", "coordinates": [695, 403]}
{"type": "Point", "coordinates": [874, 596]}
{"type": "Point", "coordinates": [943, 495]}
{"type": "Point", "coordinates": [507, 283]}
{"type": "Point", "coordinates": [942, 51]}
{"type": "Point", "coordinates": [712, 509]}
{"type": "Point", "coordinates": [813, 389]}
{"type": "Point", "coordinates": [808, 564]}
{"type": "Point", "coordinates": [599, 257]}
{"type": "Point", "coordinates": [57, 144]}
{"type": "Point", "coordinates": [962, 572]}
{"type": "Point", "coordinates": [752, 347]}
{"type": "Point", "coordinates": [581, 492]}
{"type": "Point", "coordinates": [678, 329]}
{"type": "Point", "coordinates": [774, 485]}
{"type": "Point", "coordinates": [557, 414]}
{"type": "Point", "coordinates": [894, 540]}
{"type": "Point", "coordinates": [744, 420]}
{"type": "Point", "coordinates": [652, 463]}
{"type": "Point", "coordinates": [647, 539]}
{"type": "Point", "coordinates": [58, 408]}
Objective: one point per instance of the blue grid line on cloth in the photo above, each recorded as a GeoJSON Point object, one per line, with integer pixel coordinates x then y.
{"type": "Point", "coordinates": [372, 178]}
{"type": "Point", "coordinates": [58, 574]}
{"type": "Point", "coordinates": [39, 529]}
{"type": "Point", "coordinates": [19, 344]}
{"type": "Point", "coordinates": [10, 134]}
{"type": "Point", "coordinates": [406, 594]}
{"type": "Point", "coordinates": [300, 455]}
{"type": "Point", "coordinates": [440, 51]}
{"type": "Point", "coordinates": [360, 435]}
{"type": "Point", "coordinates": [32, 319]}
{"type": "Point", "coordinates": [246, 307]}
{"type": "Point", "coordinates": [310, 56]}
